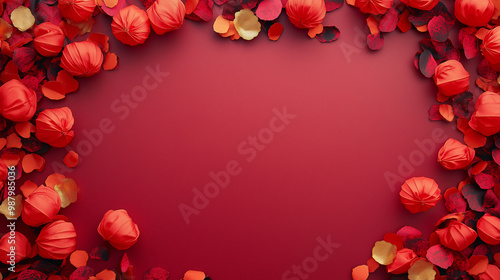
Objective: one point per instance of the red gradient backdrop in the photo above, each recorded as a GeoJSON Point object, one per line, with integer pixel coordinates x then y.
{"type": "Point", "coordinates": [358, 113]}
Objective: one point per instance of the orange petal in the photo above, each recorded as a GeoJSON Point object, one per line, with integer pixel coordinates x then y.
{"type": "Point", "coordinates": [360, 272]}
{"type": "Point", "coordinates": [101, 40]}
{"type": "Point", "coordinates": [191, 6]}
{"type": "Point", "coordinates": [10, 159]}
{"type": "Point", "coordinates": [27, 188]}
{"type": "Point", "coordinates": [474, 139]}
{"type": "Point", "coordinates": [69, 83]}
{"type": "Point", "coordinates": [71, 159]}
{"type": "Point", "coordinates": [478, 264]}
{"type": "Point", "coordinates": [79, 258]}
{"type": "Point", "coordinates": [315, 31]}
{"type": "Point", "coordinates": [446, 112]}
{"type": "Point", "coordinates": [110, 3]}
{"type": "Point", "coordinates": [372, 265]}
{"type": "Point", "coordinates": [3, 142]}
{"type": "Point", "coordinates": [106, 275]}
{"type": "Point", "coordinates": [33, 162]}
{"type": "Point", "coordinates": [53, 90]}
{"type": "Point", "coordinates": [221, 25]}
{"type": "Point", "coordinates": [110, 62]}
{"type": "Point", "coordinates": [54, 179]}
{"type": "Point", "coordinates": [13, 141]}
{"type": "Point", "coordinates": [372, 23]}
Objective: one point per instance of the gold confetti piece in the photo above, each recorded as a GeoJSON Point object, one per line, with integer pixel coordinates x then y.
{"type": "Point", "coordinates": [12, 207]}
{"type": "Point", "coordinates": [22, 18]}
{"type": "Point", "coordinates": [67, 191]}
{"type": "Point", "coordinates": [384, 252]}
{"type": "Point", "coordinates": [422, 270]}
{"type": "Point", "coordinates": [247, 24]}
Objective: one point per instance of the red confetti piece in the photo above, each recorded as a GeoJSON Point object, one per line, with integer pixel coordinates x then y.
{"type": "Point", "coordinates": [24, 58]}
{"type": "Point", "coordinates": [203, 11]}
{"type": "Point", "coordinates": [329, 34]}
{"type": "Point", "coordinates": [389, 20]}
{"type": "Point", "coordinates": [82, 273]}
{"type": "Point", "coordinates": [439, 28]}
{"type": "Point", "coordinates": [375, 41]}
{"type": "Point", "coordinates": [332, 5]}
{"type": "Point", "coordinates": [269, 9]}
{"type": "Point", "coordinates": [474, 196]}
{"type": "Point", "coordinates": [427, 64]}
{"type": "Point", "coordinates": [469, 41]}
{"type": "Point", "coordinates": [274, 32]}
{"type": "Point", "coordinates": [99, 253]}
{"type": "Point", "coordinates": [440, 256]}
{"type": "Point", "coordinates": [156, 273]}
{"type": "Point", "coordinates": [71, 159]}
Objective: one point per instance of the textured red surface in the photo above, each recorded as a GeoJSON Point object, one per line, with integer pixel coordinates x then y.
{"type": "Point", "coordinates": [359, 114]}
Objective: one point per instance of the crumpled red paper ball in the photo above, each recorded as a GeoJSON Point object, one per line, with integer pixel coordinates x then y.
{"type": "Point", "coordinates": [57, 240]}
{"type": "Point", "coordinates": [419, 194]}
{"type": "Point", "coordinates": [131, 25]}
{"type": "Point", "coordinates": [77, 10]}
{"type": "Point", "coordinates": [166, 15]}
{"type": "Point", "coordinates": [41, 206]}
{"type": "Point", "coordinates": [451, 78]}
{"type": "Point", "coordinates": [488, 229]}
{"type": "Point", "coordinates": [49, 39]}
{"type": "Point", "coordinates": [17, 102]}
{"type": "Point", "coordinates": [421, 4]}
{"type": "Point", "coordinates": [402, 262]}
{"type": "Point", "coordinates": [374, 7]}
{"type": "Point", "coordinates": [491, 46]}
{"type": "Point", "coordinates": [306, 13]}
{"type": "Point", "coordinates": [22, 250]}
{"type": "Point", "coordinates": [456, 236]}
{"type": "Point", "coordinates": [492, 273]}
{"type": "Point", "coordinates": [82, 59]}
{"type": "Point", "coordinates": [455, 155]}
{"type": "Point", "coordinates": [118, 228]}
{"type": "Point", "coordinates": [486, 117]}
{"type": "Point", "coordinates": [474, 12]}
{"type": "Point", "coordinates": [53, 126]}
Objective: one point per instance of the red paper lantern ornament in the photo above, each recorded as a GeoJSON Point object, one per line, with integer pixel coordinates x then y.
{"type": "Point", "coordinates": [419, 194]}
{"type": "Point", "coordinates": [41, 206]}
{"type": "Point", "coordinates": [491, 46]}
{"type": "Point", "coordinates": [49, 39]}
{"type": "Point", "coordinates": [488, 229]}
{"type": "Point", "coordinates": [456, 236]}
{"type": "Point", "coordinates": [166, 15]}
{"type": "Point", "coordinates": [17, 102]}
{"type": "Point", "coordinates": [131, 25]}
{"type": "Point", "coordinates": [474, 12]}
{"type": "Point", "coordinates": [455, 155]}
{"type": "Point", "coordinates": [82, 59]}
{"type": "Point", "coordinates": [22, 247]}
{"type": "Point", "coordinates": [402, 262]}
{"type": "Point", "coordinates": [421, 4]}
{"type": "Point", "coordinates": [306, 13]}
{"type": "Point", "coordinates": [486, 117]}
{"type": "Point", "coordinates": [451, 78]}
{"type": "Point", "coordinates": [77, 10]}
{"type": "Point", "coordinates": [375, 7]}
{"type": "Point", "coordinates": [57, 240]}
{"type": "Point", "coordinates": [118, 228]}
{"type": "Point", "coordinates": [53, 126]}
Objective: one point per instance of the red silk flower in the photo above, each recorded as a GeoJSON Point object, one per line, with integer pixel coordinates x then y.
{"type": "Point", "coordinates": [456, 236]}
{"type": "Point", "coordinates": [82, 59]}
{"type": "Point", "coordinates": [306, 13]}
{"type": "Point", "coordinates": [492, 273]}
{"type": "Point", "coordinates": [451, 78]}
{"type": "Point", "coordinates": [53, 126]}
{"type": "Point", "coordinates": [166, 15]}
{"type": "Point", "coordinates": [491, 46]}
{"type": "Point", "coordinates": [56, 240]}
{"type": "Point", "coordinates": [474, 12]}
{"type": "Point", "coordinates": [118, 228]}
{"type": "Point", "coordinates": [17, 102]}
{"type": "Point", "coordinates": [455, 155]}
{"type": "Point", "coordinates": [77, 10]}
{"type": "Point", "coordinates": [421, 4]}
{"type": "Point", "coordinates": [49, 39]}
{"type": "Point", "coordinates": [374, 7]}
{"type": "Point", "coordinates": [41, 206]}
{"type": "Point", "coordinates": [419, 194]}
{"type": "Point", "coordinates": [131, 25]}
{"type": "Point", "coordinates": [402, 262]}
{"type": "Point", "coordinates": [486, 117]}
{"type": "Point", "coordinates": [23, 248]}
{"type": "Point", "coordinates": [488, 228]}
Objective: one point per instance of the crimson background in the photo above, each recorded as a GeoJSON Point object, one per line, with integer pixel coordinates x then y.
{"type": "Point", "coordinates": [322, 175]}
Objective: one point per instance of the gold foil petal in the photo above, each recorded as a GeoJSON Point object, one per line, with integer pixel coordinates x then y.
{"type": "Point", "coordinates": [67, 191]}
{"type": "Point", "coordinates": [247, 24]}
{"type": "Point", "coordinates": [12, 207]}
{"type": "Point", "coordinates": [384, 252]}
{"type": "Point", "coordinates": [22, 18]}
{"type": "Point", "coordinates": [422, 270]}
